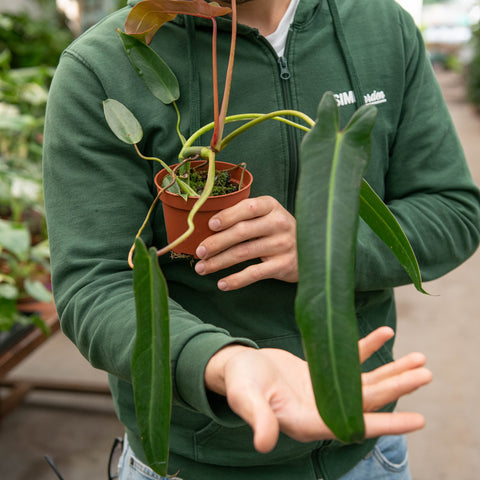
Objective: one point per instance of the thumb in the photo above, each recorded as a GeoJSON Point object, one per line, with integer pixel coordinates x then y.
{"type": "Point", "coordinates": [253, 407]}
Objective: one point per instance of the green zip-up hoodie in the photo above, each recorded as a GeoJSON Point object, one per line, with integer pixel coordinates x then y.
{"type": "Point", "coordinates": [97, 192]}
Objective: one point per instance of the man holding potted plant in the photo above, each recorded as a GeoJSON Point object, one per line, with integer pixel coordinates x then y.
{"type": "Point", "coordinates": [233, 331]}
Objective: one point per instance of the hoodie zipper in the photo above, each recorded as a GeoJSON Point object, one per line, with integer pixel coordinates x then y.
{"type": "Point", "coordinates": [285, 76]}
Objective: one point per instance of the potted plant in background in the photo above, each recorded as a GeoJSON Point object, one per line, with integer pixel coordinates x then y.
{"type": "Point", "coordinates": [24, 282]}
{"type": "Point", "coordinates": [29, 51]}
{"type": "Point", "coordinates": [328, 205]}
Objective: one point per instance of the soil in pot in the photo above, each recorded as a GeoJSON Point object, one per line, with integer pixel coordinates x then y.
{"type": "Point", "coordinates": [223, 182]}
{"type": "Point", "coordinates": [176, 208]}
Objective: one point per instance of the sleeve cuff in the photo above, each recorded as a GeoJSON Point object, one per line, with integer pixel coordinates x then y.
{"type": "Point", "coordinates": [189, 375]}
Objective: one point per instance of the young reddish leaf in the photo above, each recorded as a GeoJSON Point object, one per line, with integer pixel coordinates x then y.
{"type": "Point", "coordinates": [148, 16]}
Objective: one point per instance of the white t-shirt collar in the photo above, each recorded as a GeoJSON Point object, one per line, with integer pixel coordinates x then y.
{"type": "Point", "coordinates": [278, 38]}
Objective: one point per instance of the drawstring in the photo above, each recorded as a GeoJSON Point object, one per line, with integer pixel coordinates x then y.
{"type": "Point", "coordinates": [340, 34]}
{"type": "Point", "coordinates": [194, 76]}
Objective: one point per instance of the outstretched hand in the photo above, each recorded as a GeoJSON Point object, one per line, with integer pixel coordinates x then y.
{"type": "Point", "coordinates": [271, 390]}
{"type": "Point", "coordinates": [253, 228]}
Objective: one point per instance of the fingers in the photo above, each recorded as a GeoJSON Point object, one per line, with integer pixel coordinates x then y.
{"type": "Point", "coordinates": [395, 387]}
{"type": "Point", "coordinates": [397, 423]}
{"type": "Point", "coordinates": [231, 246]}
{"type": "Point", "coordinates": [404, 364]}
{"type": "Point", "coordinates": [389, 382]}
{"type": "Point", "coordinates": [256, 228]}
{"type": "Point", "coordinates": [245, 210]}
{"type": "Point", "coordinates": [242, 222]}
{"type": "Point", "coordinates": [278, 268]}
{"type": "Point", "coordinates": [374, 341]}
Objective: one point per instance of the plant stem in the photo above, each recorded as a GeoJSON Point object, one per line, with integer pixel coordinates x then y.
{"type": "Point", "coordinates": [258, 117]}
{"type": "Point", "coordinates": [182, 138]}
{"type": "Point", "coordinates": [278, 115]}
{"type": "Point", "coordinates": [215, 77]}
{"type": "Point", "coordinates": [152, 206]}
{"type": "Point", "coordinates": [217, 136]}
{"type": "Point", "coordinates": [185, 187]}
{"type": "Point", "coordinates": [198, 204]}
{"type": "Point", "coordinates": [140, 230]}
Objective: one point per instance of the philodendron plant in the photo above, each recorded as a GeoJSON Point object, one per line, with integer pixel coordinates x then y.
{"type": "Point", "coordinates": [328, 207]}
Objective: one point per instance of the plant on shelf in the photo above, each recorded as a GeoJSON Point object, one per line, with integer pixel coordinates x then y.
{"type": "Point", "coordinates": [328, 206]}
{"type": "Point", "coordinates": [30, 47]}
{"type": "Point", "coordinates": [24, 275]}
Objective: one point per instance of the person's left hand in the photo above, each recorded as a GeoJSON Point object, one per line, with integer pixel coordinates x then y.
{"type": "Point", "coordinates": [253, 228]}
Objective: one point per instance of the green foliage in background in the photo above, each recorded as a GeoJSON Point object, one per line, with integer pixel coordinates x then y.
{"type": "Point", "coordinates": [30, 48]}
{"type": "Point", "coordinates": [29, 42]}
{"type": "Point", "coordinates": [473, 71]}
{"type": "Point", "coordinates": [29, 51]}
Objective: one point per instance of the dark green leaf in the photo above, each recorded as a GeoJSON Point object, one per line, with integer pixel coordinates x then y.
{"type": "Point", "coordinates": [154, 72]}
{"type": "Point", "coordinates": [151, 358]}
{"type": "Point", "coordinates": [122, 122]}
{"type": "Point", "coordinates": [331, 167]}
{"type": "Point", "coordinates": [381, 220]}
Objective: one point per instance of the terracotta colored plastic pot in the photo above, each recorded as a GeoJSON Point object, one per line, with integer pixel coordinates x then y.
{"type": "Point", "coordinates": [176, 209]}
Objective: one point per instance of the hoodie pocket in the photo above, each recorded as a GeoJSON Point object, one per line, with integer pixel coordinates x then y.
{"type": "Point", "coordinates": [234, 447]}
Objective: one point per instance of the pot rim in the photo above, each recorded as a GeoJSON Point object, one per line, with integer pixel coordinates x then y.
{"type": "Point", "coordinates": [247, 181]}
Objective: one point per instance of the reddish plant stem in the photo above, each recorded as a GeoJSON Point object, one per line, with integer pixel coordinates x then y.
{"type": "Point", "coordinates": [220, 124]}
{"type": "Point", "coordinates": [215, 77]}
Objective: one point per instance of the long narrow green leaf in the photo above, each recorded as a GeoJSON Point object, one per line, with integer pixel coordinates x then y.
{"type": "Point", "coordinates": [151, 358]}
{"type": "Point", "coordinates": [154, 72]}
{"type": "Point", "coordinates": [331, 167]}
{"type": "Point", "coordinates": [381, 220]}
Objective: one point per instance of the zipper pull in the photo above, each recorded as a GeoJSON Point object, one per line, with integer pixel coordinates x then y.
{"type": "Point", "coordinates": [284, 71]}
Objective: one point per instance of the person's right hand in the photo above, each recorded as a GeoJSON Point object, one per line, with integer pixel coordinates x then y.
{"type": "Point", "coordinates": [271, 390]}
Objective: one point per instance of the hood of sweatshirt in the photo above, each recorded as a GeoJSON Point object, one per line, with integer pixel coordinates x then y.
{"type": "Point", "coordinates": [304, 11]}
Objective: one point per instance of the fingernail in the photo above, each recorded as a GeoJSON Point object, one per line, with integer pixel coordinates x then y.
{"type": "Point", "coordinates": [200, 268]}
{"type": "Point", "coordinates": [222, 285]}
{"type": "Point", "coordinates": [214, 224]}
{"type": "Point", "coordinates": [201, 251]}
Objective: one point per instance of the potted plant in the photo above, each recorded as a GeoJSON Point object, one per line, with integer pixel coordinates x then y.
{"type": "Point", "coordinates": [328, 206]}
{"type": "Point", "coordinates": [24, 281]}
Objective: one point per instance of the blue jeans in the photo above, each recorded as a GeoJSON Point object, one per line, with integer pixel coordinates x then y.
{"type": "Point", "coordinates": [387, 461]}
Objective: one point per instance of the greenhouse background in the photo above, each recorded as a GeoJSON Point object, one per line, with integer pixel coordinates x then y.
{"type": "Point", "coordinates": [77, 427]}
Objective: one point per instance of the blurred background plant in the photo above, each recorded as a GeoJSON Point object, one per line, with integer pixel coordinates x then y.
{"type": "Point", "coordinates": [30, 47]}
{"type": "Point", "coordinates": [24, 276]}
{"type": "Point", "coordinates": [473, 70]}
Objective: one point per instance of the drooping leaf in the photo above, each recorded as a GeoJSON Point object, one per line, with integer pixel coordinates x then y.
{"type": "Point", "coordinates": [381, 220]}
{"type": "Point", "coordinates": [122, 122]}
{"type": "Point", "coordinates": [331, 167]}
{"type": "Point", "coordinates": [37, 290]}
{"type": "Point", "coordinates": [154, 72]}
{"type": "Point", "coordinates": [151, 358]}
{"type": "Point", "coordinates": [15, 238]}
{"type": "Point", "coordinates": [148, 16]}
